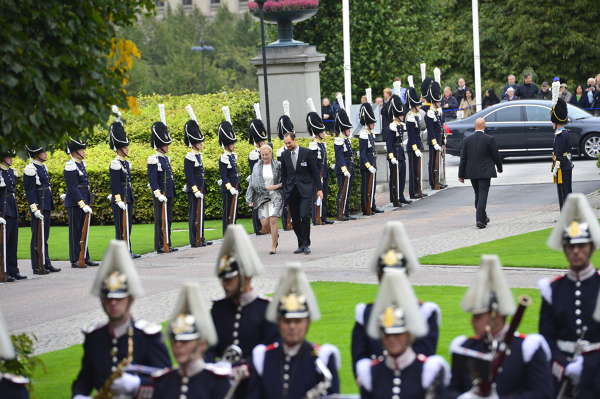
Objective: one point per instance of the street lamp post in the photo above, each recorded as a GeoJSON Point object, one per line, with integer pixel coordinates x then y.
{"type": "Point", "coordinates": [261, 4]}
{"type": "Point", "coordinates": [202, 47]}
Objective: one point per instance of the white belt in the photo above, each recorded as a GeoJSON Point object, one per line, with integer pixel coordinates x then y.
{"type": "Point", "coordinates": [569, 346]}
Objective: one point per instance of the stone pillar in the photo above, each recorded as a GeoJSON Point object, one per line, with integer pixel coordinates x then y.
{"type": "Point", "coordinates": [293, 74]}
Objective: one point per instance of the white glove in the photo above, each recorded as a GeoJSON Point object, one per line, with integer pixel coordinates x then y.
{"type": "Point", "coordinates": [394, 161]}
{"type": "Point", "coordinates": [2, 221]}
{"type": "Point", "coordinates": [372, 169]}
{"type": "Point", "coordinates": [82, 397]}
{"type": "Point", "coordinates": [472, 394]}
{"type": "Point", "coordinates": [573, 369]}
{"type": "Point", "coordinates": [437, 147]}
{"type": "Point", "coordinates": [126, 384]}
{"type": "Point", "coordinates": [233, 191]}
{"type": "Point", "coordinates": [38, 214]}
{"type": "Point", "coordinates": [347, 174]}
{"type": "Point", "coordinates": [122, 205]}
{"type": "Point", "coordinates": [87, 209]}
{"type": "Point", "coordinates": [556, 168]}
{"type": "Point", "coordinates": [161, 198]}
{"type": "Point", "coordinates": [418, 153]}
{"type": "Point", "coordinates": [198, 194]}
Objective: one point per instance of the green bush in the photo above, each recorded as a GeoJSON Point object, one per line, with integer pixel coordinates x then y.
{"type": "Point", "coordinates": [24, 363]}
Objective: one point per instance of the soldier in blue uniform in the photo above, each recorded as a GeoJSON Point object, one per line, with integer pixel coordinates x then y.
{"type": "Point", "coordinates": [569, 300]}
{"type": "Point", "coordinates": [121, 199]}
{"type": "Point", "coordinates": [11, 386]}
{"type": "Point", "coordinates": [78, 200]}
{"type": "Point", "coordinates": [434, 120]}
{"type": "Point", "coordinates": [562, 166]}
{"type": "Point", "coordinates": [195, 186]}
{"type": "Point", "coordinates": [110, 346]}
{"type": "Point", "coordinates": [402, 372]}
{"type": "Point", "coordinates": [257, 134]}
{"type": "Point", "coordinates": [395, 149]}
{"type": "Point", "coordinates": [367, 158]}
{"type": "Point", "coordinates": [293, 368]}
{"type": "Point", "coordinates": [229, 182]}
{"type": "Point", "coordinates": [36, 181]}
{"type": "Point", "coordinates": [192, 331]}
{"type": "Point", "coordinates": [285, 125]}
{"type": "Point", "coordinates": [589, 385]}
{"type": "Point", "coordinates": [344, 162]}
{"type": "Point", "coordinates": [160, 176]}
{"type": "Point", "coordinates": [414, 146]}
{"type": "Point", "coordinates": [9, 216]}
{"type": "Point", "coordinates": [316, 128]}
{"type": "Point", "coordinates": [525, 371]}
{"type": "Point", "coordinates": [394, 252]}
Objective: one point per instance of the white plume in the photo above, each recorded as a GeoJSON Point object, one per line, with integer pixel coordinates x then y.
{"type": "Point", "coordinates": [369, 94]}
{"type": "Point", "coordinates": [555, 91]}
{"type": "Point", "coordinates": [257, 110]}
{"type": "Point", "coordinates": [340, 100]}
{"type": "Point", "coordinates": [163, 115]}
{"type": "Point", "coordinates": [311, 105]}
{"type": "Point", "coordinates": [226, 113]}
{"type": "Point", "coordinates": [411, 82]}
{"type": "Point", "coordinates": [190, 112]}
{"type": "Point", "coordinates": [423, 71]}
{"type": "Point", "coordinates": [437, 75]}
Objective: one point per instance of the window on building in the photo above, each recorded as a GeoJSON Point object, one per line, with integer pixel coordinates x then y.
{"type": "Point", "coordinates": [215, 1]}
{"type": "Point", "coordinates": [187, 2]}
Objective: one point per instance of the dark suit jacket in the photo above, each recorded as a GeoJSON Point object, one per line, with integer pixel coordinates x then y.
{"type": "Point", "coordinates": [305, 177]}
{"type": "Point", "coordinates": [478, 157]}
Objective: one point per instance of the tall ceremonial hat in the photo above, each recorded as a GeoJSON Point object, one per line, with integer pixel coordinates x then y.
{"type": "Point", "coordinates": [7, 153]}
{"type": "Point", "coordinates": [394, 251]}
{"type": "Point", "coordinates": [117, 137]}
{"type": "Point", "coordinates": [434, 94]}
{"type": "Point", "coordinates": [559, 113]}
{"type": "Point", "coordinates": [226, 133]}
{"type": "Point", "coordinates": [489, 292]}
{"type": "Point", "coordinates": [75, 145]}
{"type": "Point", "coordinates": [365, 113]}
{"type": "Point", "coordinates": [577, 224]}
{"type": "Point", "coordinates": [237, 256]}
{"type": "Point", "coordinates": [284, 124]}
{"type": "Point", "coordinates": [412, 97]}
{"type": "Point", "coordinates": [159, 132]}
{"type": "Point", "coordinates": [117, 277]}
{"type": "Point", "coordinates": [191, 130]}
{"type": "Point", "coordinates": [396, 310]}
{"type": "Point", "coordinates": [397, 108]}
{"type": "Point", "coordinates": [34, 149]}
{"type": "Point", "coordinates": [314, 123]}
{"type": "Point", "coordinates": [294, 298]}
{"type": "Point", "coordinates": [7, 350]}
{"type": "Point", "coordinates": [191, 318]}
{"type": "Point", "coordinates": [342, 120]}
{"type": "Point", "coordinates": [256, 130]}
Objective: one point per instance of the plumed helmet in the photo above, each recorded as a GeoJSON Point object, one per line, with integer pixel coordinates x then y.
{"type": "Point", "coordinates": [559, 113]}
{"type": "Point", "coordinates": [191, 318]}
{"type": "Point", "coordinates": [425, 84]}
{"type": "Point", "coordinates": [117, 137]}
{"type": "Point", "coordinates": [192, 133]}
{"type": "Point", "coordinates": [34, 150]}
{"type": "Point", "coordinates": [314, 124]}
{"type": "Point", "coordinates": [159, 135]}
{"type": "Point", "coordinates": [284, 125]}
{"type": "Point", "coordinates": [342, 121]}
{"type": "Point", "coordinates": [396, 107]}
{"type": "Point", "coordinates": [257, 131]}
{"type": "Point", "coordinates": [366, 114]}
{"type": "Point", "coordinates": [226, 134]}
{"type": "Point", "coordinates": [75, 145]}
{"type": "Point", "coordinates": [10, 153]}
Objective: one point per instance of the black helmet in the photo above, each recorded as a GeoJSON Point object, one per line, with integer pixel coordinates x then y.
{"type": "Point", "coordinates": [34, 150]}
{"type": "Point", "coordinates": [192, 133]}
{"type": "Point", "coordinates": [412, 98]}
{"type": "Point", "coordinates": [342, 121]}
{"type": "Point", "coordinates": [559, 113]}
{"type": "Point", "coordinates": [257, 131]}
{"type": "Point", "coordinates": [226, 134]}
{"type": "Point", "coordinates": [366, 113]}
{"type": "Point", "coordinates": [117, 137]}
{"type": "Point", "coordinates": [314, 124]}
{"type": "Point", "coordinates": [74, 145]}
{"type": "Point", "coordinates": [396, 107]}
{"type": "Point", "coordinates": [159, 135]}
{"type": "Point", "coordinates": [284, 125]}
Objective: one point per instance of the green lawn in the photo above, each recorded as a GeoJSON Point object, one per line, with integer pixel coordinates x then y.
{"type": "Point", "coordinates": [337, 301]}
{"type": "Point", "coordinates": [523, 250]}
{"type": "Point", "coordinates": [142, 238]}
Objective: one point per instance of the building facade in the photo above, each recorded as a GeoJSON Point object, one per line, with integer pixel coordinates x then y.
{"type": "Point", "coordinates": [208, 8]}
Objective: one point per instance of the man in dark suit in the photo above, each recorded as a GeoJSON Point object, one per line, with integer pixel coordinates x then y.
{"type": "Point", "coordinates": [479, 160]}
{"type": "Point", "coordinates": [301, 178]}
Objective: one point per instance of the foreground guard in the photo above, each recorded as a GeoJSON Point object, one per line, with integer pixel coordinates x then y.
{"type": "Point", "coordinates": [11, 386]}
{"type": "Point", "coordinates": [344, 163]}
{"type": "Point", "coordinates": [434, 120]}
{"type": "Point", "coordinates": [9, 219]}
{"type": "Point", "coordinates": [368, 179]}
{"type": "Point", "coordinates": [589, 385]}
{"type": "Point", "coordinates": [110, 347]}
{"type": "Point", "coordinates": [568, 300]}
{"type": "Point", "coordinates": [78, 200]}
{"type": "Point", "coordinates": [498, 361]}
{"type": "Point", "coordinates": [285, 126]}
{"type": "Point", "coordinates": [191, 331]}
{"type": "Point", "coordinates": [394, 252]}
{"type": "Point", "coordinates": [195, 186]}
{"type": "Point", "coordinates": [414, 146]}
{"type": "Point", "coordinates": [562, 166]}
{"type": "Point", "coordinates": [229, 182]}
{"type": "Point", "coordinates": [402, 372]}
{"type": "Point", "coordinates": [36, 181]}
{"type": "Point", "coordinates": [160, 177]}
{"type": "Point", "coordinates": [121, 199]}
{"type": "Point", "coordinates": [395, 150]}
{"type": "Point", "coordinates": [292, 367]}
{"type": "Point", "coordinates": [257, 134]}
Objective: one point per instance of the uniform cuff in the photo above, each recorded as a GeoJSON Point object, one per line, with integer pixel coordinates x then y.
{"type": "Point", "coordinates": [157, 193]}
{"type": "Point", "coordinates": [367, 165]}
{"type": "Point", "coordinates": [81, 203]}
{"type": "Point", "coordinates": [33, 207]}
{"type": "Point", "coordinates": [228, 186]}
{"type": "Point", "coordinates": [391, 155]}
{"type": "Point", "coordinates": [194, 189]}
{"type": "Point", "coordinates": [414, 147]}
{"type": "Point", "coordinates": [344, 169]}
{"type": "Point", "coordinates": [118, 197]}
{"type": "Point", "coordinates": [433, 142]}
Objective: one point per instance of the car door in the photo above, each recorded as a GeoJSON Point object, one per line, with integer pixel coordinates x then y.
{"type": "Point", "coordinates": [540, 133]}
{"type": "Point", "coordinates": [505, 123]}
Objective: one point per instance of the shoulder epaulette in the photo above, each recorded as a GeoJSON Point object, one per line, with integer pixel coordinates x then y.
{"type": "Point", "coordinates": [272, 346]}
{"type": "Point", "coordinates": [530, 345]}
{"type": "Point", "coordinates": [225, 159]}
{"type": "Point", "coordinates": [338, 141]}
{"type": "Point", "coordinates": [152, 160]}
{"type": "Point", "coordinates": [364, 134]}
{"type": "Point", "coordinates": [161, 373]}
{"type": "Point", "coordinates": [93, 327]}
{"type": "Point", "coordinates": [359, 313]}
{"type": "Point", "coordinates": [326, 351]}
{"type": "Point", "coordinates": [16, 379]}
{"type": "Point", "coordinates": [254, 155]}
{"type": "Point", "coordinates": [432, 368]}
{"type": "Point", "coordinates": [70, 166]}
{"type": "Point", "coordinates": [190, 156]}
{"type": "Point", "coordinates": [218, 369]}
{"type": "Point", "coordinates": [30, 170]}
{"type": "Point", "coordinates": [147, 327]}
{"type": "Point", "coordinates": [430, 113]}
{"type": "Point", "coordinates": [115, 165]}
{"type": "Point", "coordinates": [313, 146]}
{"type": "Point", "coordinates": [421, 357]}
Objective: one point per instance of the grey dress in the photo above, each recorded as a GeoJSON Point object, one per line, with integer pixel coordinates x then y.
{"type": "Point", "coordinates": [268, 203]}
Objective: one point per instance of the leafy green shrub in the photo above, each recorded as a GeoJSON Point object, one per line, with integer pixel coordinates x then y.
{"type": "Point", "coordinates": [24, 364]}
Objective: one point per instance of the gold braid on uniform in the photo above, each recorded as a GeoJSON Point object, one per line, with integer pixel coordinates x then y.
{"type": "Point", "coordinates": [105, 391]}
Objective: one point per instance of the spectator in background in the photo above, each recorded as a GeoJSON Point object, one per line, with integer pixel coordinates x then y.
{"type": "Point", "coordinates": [379, 101]}
{"type": "Point", "coordinates": [511, 81]}
{"type": "Point", "coordinates": [545, 93]}
{"type": "Point", "coordinates": [400, 92]}
{"type": "Point", "coordinates": [385, 112]}
{"type": "Point", "coordinates": [363, 99]}
{"type": "Point", "coordinates": [528, 89]}
{"type": "Point", "coordinates": [336, 104]}
{"type": "Point", "coordinates": [579, 98]}
{"type": "Point", "coordinates": [490, 98]}
{"type": "Point", "coordinates": [460, 90]}
{"type": "Point", "coordinates": [449, 104]}
{"type": "Point", "coordinates": [327, 113]}
{"type": "Point", "coordinates": [591, 94]}
{"type": "Point", "coordinates": [564, 93]}
{"type": "Point", "coordinates": [510, 95]}
{"type": "Point", "coordinates": [467, 105]}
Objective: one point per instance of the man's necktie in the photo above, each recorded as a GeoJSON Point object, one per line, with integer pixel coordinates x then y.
{"type": "Point", "coordinates": [294, 158]}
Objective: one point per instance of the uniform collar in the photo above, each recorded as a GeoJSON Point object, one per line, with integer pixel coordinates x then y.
{"type": "Point", "coordinates": [291, 350]}
{"type": "Point", "coordinates": [401, 362]}
{"type": "Point", "coordinates": [76, 160]}
{"type": "Point", "coordinates": [37, 162]}
{"type": "Point", "coordinates": [586, 273]}
{"type": "Point", "coordinates": [4, 167]}
{"type": "Point", "coordinates": [120, 158]}
{"type": "Point", "coordinates": [479, 131]}
{"type": "Point", "coordinates": [227, 152]}
{"type": "Point", "coordinates": [120, 330]}
{"type": "Point", "coordinates": [248, 297]}
{"type": "Point", "coordinates": [196, 367]}
{"type": "Point", "coordinates": [559, 130]}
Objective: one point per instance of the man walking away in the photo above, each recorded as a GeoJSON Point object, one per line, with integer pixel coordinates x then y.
{"type": "Point", "coordinates": [478, 157]}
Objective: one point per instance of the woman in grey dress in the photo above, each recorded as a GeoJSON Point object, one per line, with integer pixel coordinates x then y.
{"type": "Point", "coordinates": [264, 193]}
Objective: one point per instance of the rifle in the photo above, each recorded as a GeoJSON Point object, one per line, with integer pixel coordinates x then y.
{"type": "Point", "coordinates": [420, 170]}
{"type": "Point", "coordinates": [288, 221]}
{"type": "Point", "coordinates": [370, 194]}
{"type": "Point", "coordinates": [199, 221]}
{"type": "Point", "coordinates": [436, 170]}
{"type": "Point", "coordinates": [397, 167]}
{"type": "Point", "coordinates": [165, 228]}
{"type": "Point", "coordinates": [344, 198]}
{"type": "Point", "coordinates": [232, 209]}
{"type": "Point", "coordinates": [485, 385]}
{"type": "Point", "coordinates": [443, 170]}
{"type": "Point", "coordinates": [83, 242]}
{"type": "Point", "coordinates": [319, 208]}
{"type": "Point", "coordinates": [3, 254]}
{"type": "Point", "coordinates": [125, 226]}
{"type": "Point", "coordinates": [41, 247]}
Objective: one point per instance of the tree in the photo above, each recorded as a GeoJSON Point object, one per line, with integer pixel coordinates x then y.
{"type": "Point", "coordinates": [62, 67]}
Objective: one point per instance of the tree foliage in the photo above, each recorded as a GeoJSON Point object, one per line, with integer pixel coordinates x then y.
{"type": "Point", "coordinates": [62, 67]}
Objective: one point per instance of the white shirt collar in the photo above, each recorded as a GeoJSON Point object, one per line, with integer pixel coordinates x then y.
{"type": "Point", "coordinates": [401, 362]}
{"type": "Point", "coordinates": [291, 350]}
{"type": "Point", "coordinates": [586, 273]}
{"type": "Point", "coordinates": [196, 367]}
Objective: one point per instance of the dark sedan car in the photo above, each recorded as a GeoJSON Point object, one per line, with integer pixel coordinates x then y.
{"type": "Point", "coordinates": [523, 128]}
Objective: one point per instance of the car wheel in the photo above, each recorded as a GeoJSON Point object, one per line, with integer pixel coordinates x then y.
{"type": "Point", "coordinates": [591, 146]}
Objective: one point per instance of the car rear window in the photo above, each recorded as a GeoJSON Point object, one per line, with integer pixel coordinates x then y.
{"type": "Point", "coordinates": [537, 113]}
